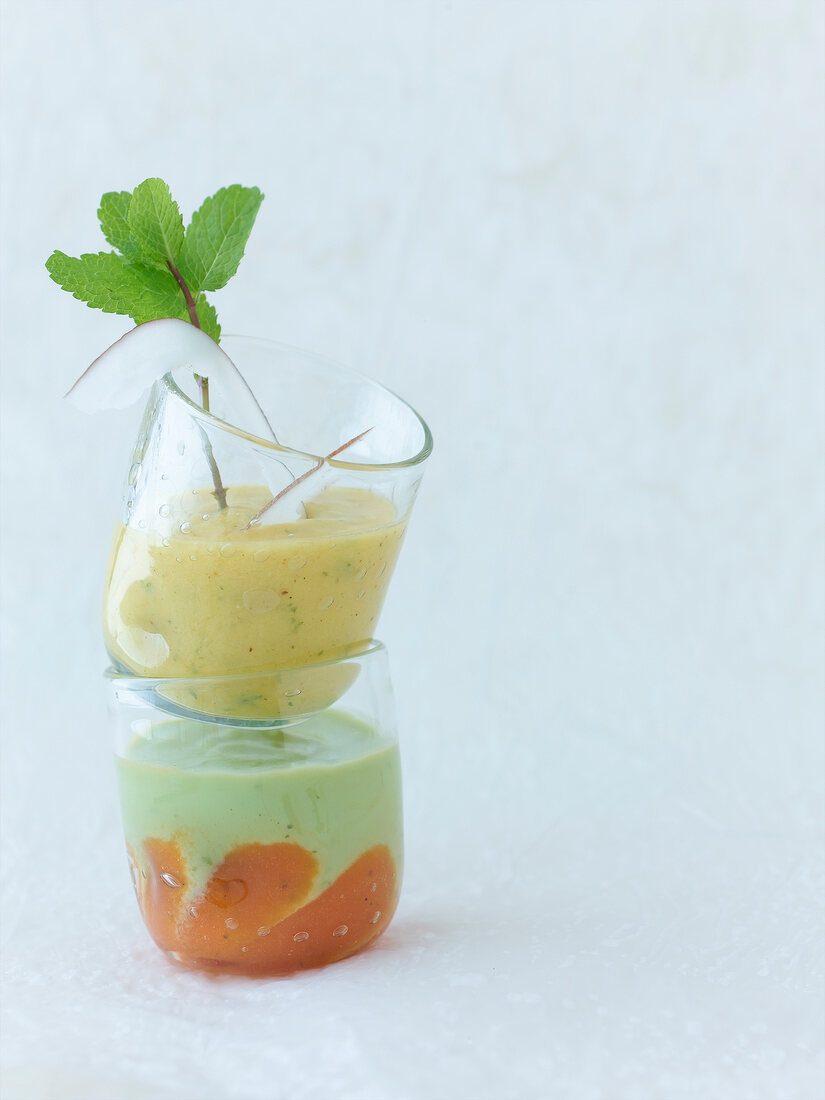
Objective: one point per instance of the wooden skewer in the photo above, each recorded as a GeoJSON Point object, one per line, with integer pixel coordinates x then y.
{"type": "Point", "coordinates": [307, 473]}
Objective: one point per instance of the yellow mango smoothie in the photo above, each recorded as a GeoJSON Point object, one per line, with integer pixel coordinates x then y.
{"type": "Point", "coordinates": [203, 594]}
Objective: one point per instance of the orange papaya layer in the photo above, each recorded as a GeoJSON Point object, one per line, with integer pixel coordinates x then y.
{"type": "Point", "coordinates": [250, 917]}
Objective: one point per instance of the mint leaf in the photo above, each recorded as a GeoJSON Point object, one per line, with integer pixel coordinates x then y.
{"type": "Point", "coordinates": [114, 221]}
{"type": "Point", "coordinates": [155, 223]}
{"type": "Point", "coordinates": [215, 240]}
{"type": "Point", "coordinates": [106, 281]}
{"type": "Point", "coordinates": [208, 319]}
{"type": "Point", "coordinates": [160, 270]}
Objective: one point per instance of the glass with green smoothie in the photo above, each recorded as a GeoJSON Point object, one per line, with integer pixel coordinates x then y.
{"type": "Point", "coordinates": [267, 844]}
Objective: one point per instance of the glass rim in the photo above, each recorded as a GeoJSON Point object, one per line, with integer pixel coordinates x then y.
{"type": "Point", "coordinates": [210, 418]}
{"type": "Point", "coordinates": [118, 678]}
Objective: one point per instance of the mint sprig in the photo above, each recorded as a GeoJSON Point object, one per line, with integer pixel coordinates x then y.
{"type": "Point", "coordinates": [158, 268]}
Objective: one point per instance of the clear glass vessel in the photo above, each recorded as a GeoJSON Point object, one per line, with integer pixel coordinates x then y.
{"type": "Point", "coordinates": [246, 543]}
{"type": "Point", "coordinates": [270, 843]}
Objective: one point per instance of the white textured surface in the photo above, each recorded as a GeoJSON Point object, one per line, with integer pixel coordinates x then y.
{"type": "Point", "coordinates": [586, 241]}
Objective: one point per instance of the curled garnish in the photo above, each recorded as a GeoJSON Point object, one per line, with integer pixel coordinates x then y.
{"type": "Point", "coordinates": [127, 369]}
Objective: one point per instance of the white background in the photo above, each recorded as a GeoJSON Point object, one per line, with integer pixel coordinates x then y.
{"type": "Point", "coordinates": [584, 239]}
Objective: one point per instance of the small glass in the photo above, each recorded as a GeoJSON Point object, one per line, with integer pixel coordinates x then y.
{"type": "Point", "coordinates": [266, 842]}
{"type": "Point", "coordinates": [262, 533]}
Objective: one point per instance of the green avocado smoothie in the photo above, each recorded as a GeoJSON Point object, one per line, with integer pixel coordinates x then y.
{"type": "Point", "coordinates": [235, 834]}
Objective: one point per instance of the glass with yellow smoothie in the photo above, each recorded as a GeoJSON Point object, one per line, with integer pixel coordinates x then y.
{"type": "Point", "coordinates": [238, 553]}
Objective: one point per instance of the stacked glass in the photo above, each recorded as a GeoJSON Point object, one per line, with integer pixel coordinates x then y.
{"type": "Point", "coordinates": [255, 737]}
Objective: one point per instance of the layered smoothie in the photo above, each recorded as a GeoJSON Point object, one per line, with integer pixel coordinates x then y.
{"type": "Point", "coordinates": [202, 593]}
{"type": "Point", "coordinates": [263, 851]}
{"type": "Point", "coordinates": [259, 783]}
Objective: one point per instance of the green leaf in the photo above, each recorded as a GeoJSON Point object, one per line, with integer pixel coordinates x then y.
{"type": "Point", "coordinates": [146, 228]}
{"type": "Point", "coordinates": [155, 223]}
{"type": "Point", "coordinates": [114, 221]}
{"type": "Point", "coordinates": [209, 319]}
{"type": "Point", "coordinates": [106, 281]}
{"type": "Point", "coordinates": [215, 240]}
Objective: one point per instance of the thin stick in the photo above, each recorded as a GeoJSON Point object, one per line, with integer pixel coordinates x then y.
{"type": "Point", "coordinates": [219, 490]}
{"type": "Point", "coordinates": [191, 304]}
{"type": "Point", "coordinates": [203, 386]}
{"type": "Point", "coordinates": [307, 473]}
